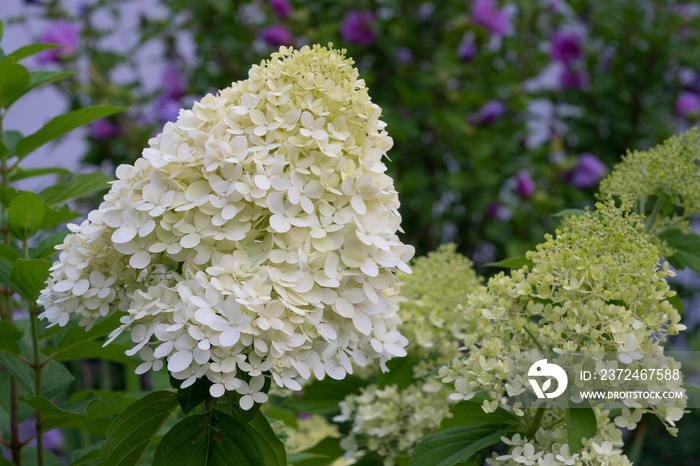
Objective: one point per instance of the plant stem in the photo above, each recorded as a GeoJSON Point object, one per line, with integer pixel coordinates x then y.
{"type": "Point", "coordinates": [37, 374]}
{"type": "Point", "coordinates": [654, 212]}
{"type": "Point", "coordinates": [536, 421]}
{"type": "Point", "coordinates": [7, 307]}
{"type": "Point", "coordinates": [532, 337]}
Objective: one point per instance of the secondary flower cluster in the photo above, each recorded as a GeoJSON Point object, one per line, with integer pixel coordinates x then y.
{"type": "Point", "coordinates": [669, 170]}
{"type": "Point", "coordinates": [391, 420]}
{"type": "Point", "coordinates": [256, 234]}
{"type": "Point", "coordinates": [550, 447]}
{"type": "Point", "coordinates": [594, 287]}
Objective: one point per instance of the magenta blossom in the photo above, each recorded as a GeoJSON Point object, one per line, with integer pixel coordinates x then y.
{"type": "Point", "coordinates": [167, 109]}
{"type": "Point", "coordinates": [572, 79]}
{"type": "Point", "coordinates": [566, 47]}
{"type": "Point", "coordinates": [358, 27]}
{"type": "Point", "coordinates": [103, 129]}
{"type": "Point", "coordinates": [466, 51]}
{"type": "Point", "coordinates": [276, 35]}
{"type": "Point", "coordinates": [62, 33]}
{"type": "Point", "coordinates": [282, 8]}
{"type": "Point", "coordinates": [491, 112]}
{"type": "Point", "coordinates": [404, 55]}
{"type": "Point", "coordinates": [174, 85]}
{"type": "Point", "coordinates": [524, 184]}
{"type": "Point", "coordinates": [688, 105]}
{"type": "Point", "coordinates": [588, 172]}
{"type": "Point", "coordinates": [485, 13]}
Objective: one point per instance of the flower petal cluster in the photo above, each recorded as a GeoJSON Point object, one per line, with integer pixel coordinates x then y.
{"type": "Point", "coordinates": [550, 446]}
{"type": "Point", "coordinates": [391, 420]}
{"type": "Point", "coordinates": [256, 235]}
{"type": "Point", "coordinates": [670, 170]}
{"type": "Point", "coordinates": [594, 287]}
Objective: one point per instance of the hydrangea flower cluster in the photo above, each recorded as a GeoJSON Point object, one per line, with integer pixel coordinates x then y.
{"type": "Point", "coordinates": [595, 286]}
{"type": "Point", "coordinates": [669, 170]}
{"type": "Point", "coordinates": [392, 420]}
{"type": "Point", "coordinates": [550, 447]}
{"type": "Point", "coordinates": [256, 234]}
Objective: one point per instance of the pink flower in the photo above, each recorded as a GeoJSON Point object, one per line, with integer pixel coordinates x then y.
{"type": "Point", "coordinates": [487, 15]}
{"type": "Point", "coordinates": [174, 86]}
{"type": "Point", "coordinates": [282, 8]}
{"type": "Point", "coordinates": [525, 186]}
{"type": "Point", "coordinates": [103, 129]}
{"type": "Point", "coordinates": [357, 28]}
{"type": "Point", "coordinates": [588, 172]}
{"type": "Point", "coordinates": [688, 105]}
{"type": "Point", "coordinates": [566, 47]}
{"type": "Point", "coordinates": [276, 35]}
{"type": "Point", "coordinates": [62, 33]}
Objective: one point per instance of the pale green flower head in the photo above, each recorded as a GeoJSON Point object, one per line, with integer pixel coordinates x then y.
{"type": "Point", "coordinates": [256, 236]}
{"type": "Point", "coordinates": [670, 170]}
{"type": "Point", "coordinates": [438, 286]}
{"type": "Point", "coordinates": [596, 285]}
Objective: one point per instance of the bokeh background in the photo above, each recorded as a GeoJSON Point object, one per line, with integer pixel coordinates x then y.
{"type": "Point", "coordinates": [502, 112]}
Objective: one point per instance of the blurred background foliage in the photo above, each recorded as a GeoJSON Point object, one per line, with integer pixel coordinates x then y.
{"type": "Point", "coordinates": [501, 112]}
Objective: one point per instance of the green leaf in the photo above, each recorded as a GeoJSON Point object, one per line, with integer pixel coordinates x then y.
{"type": "Point", "coordinates": [271, 446]}
{"type": "Point", "coordinates": [41, 78]}
{"type": "Point", "coordinates": [470, 413]}
{"type": "Point", "coordinates": [47, 247]}
{"type": "Point", "coordinates": [61, 125]}
{"type": "Point", "coordinates": [85, 455]}
{"type": "Point", "coordinates": [53, 217]}
{"type": "Point", "coordinates": [687, 246]}
{"type": "Point", "coordinates": [6, 196]}
{"type": "Point", "coordinates": [29, 458]}
{"type": "Point", "coordinates": [5, 271]}
{"type": "Point", "coordinates": [51, 410]}
{"type": "Point", "coordinates": [11, 138]}
{"type": "Point", "coordinates": [676, 302]}
{"type": "Point", "coordinates": [77, 334]}
{"type": "Point", "coordinates": [199, 440]}
{"type": "Point", "coordinates": [30, 276]}
{"type": "Point", "coordinates": [323, 453]}
{"type": "Point", "coordinates": [8, 335]}
{"type": "Point", "coordinates": [79, 186]}
{"type": "Point", "coordinates": [322, 396]}
{"type": "Point", "coordinates": [55, 377]}
{"type": "Point", "coordinates": [400, 373]}
{"type": "Point", "coordinates": [31, 49]}
{"type": "Point", "coordinates": [131, 432]}
{"type": "Point", "coordinates": [691, 386]}
{"type": "Point", "coordinates": [92, 349]}
{"type": "Point", "coordinates": [19, 370]}
{"type": "Point", "coordinates": [98, 412]}
{"type": "Point", "coordinates": [570, 212]}
{"type": "Point", "coordinates": [194, 395]}
{"type": "Point", "coordinates": [7, 253]}
{"type": "Point", "coordinates": [580, 423]}
{"type": "Point", "coordinates": [25, 215]}
{"type": "Point", "coordinates": [512, 263]}
{"type": "Point", "coordinates": [457, 444]}
{"type": "Point", "coordinates": [14, 79]}
{"type": "Point", "coordinates": [21, 173]}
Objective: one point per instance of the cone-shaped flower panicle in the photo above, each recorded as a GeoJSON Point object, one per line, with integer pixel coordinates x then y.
{"type": "Point", "coordinates": [255, 236]}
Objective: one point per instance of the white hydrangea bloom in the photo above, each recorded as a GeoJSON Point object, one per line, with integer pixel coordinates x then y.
{"type": "Point", "coordinates": [256, 234]}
